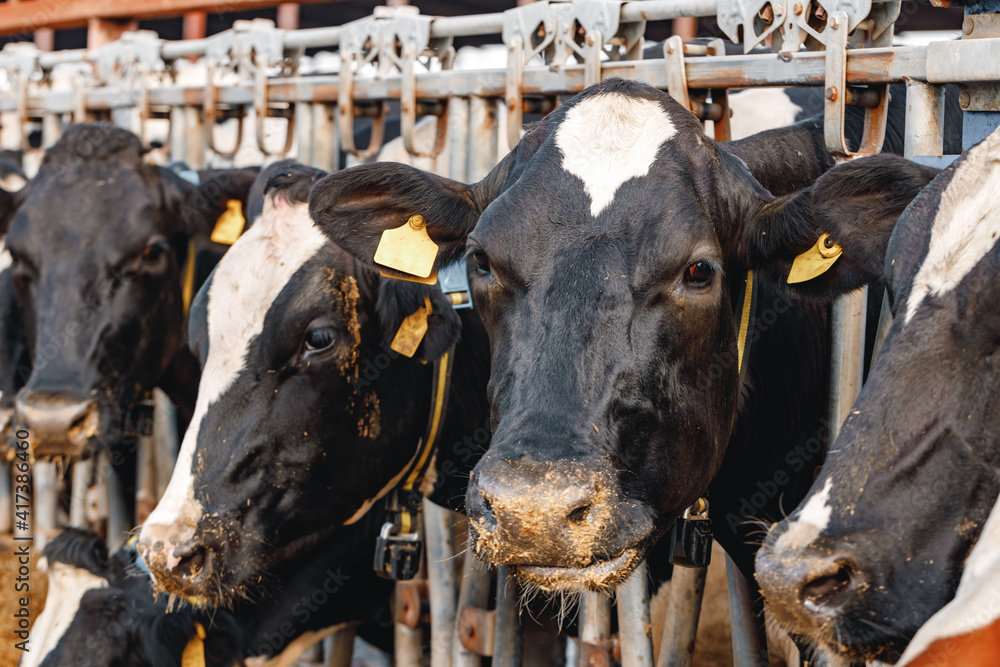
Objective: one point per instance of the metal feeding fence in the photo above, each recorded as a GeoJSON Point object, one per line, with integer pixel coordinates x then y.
{"type": "Point", "coordinates": [554, 49]}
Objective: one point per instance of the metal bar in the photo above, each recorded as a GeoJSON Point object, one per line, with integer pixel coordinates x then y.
{"type": "Point", "coordinates": [507, 637]}
{"type": "Point", "coordinates": [884, 324]}
{"type": "Point", "coordinates": [749, 642]}
{"type": "Point", "coordinates": [633, 620]}
{"type": "Point", "coordinates": [304, 132]}
{"type": "Point", "coordinates": [595, 630]}
{"type": "Point", "coordinates": [338, 647]}
{"type": "Point", "coordinates": [46, 494]}
{"type": "Point", "coordinates": [80, 480]}
{"type": "Point", "coordinates": [458, 139]}
{"type": "Point", "coordinates": [864, 66]}
{"type": "Point", "coordinates": [680, 625]}
{"type": "Point", "coordinates": [178, 134]}
{"type": "Point", "coordinates": [326, 148]}
{"type": "Point", "coordinates": [482, 155]}
{"type": "Point", "coordinates": [117, 514]}
{"type": "Point", "coordinates": [441, 582]}
{"type": "Point", "coordinates": [166, 441]}
{"type": "Point", "coordinates": [407, 644]}
{"type": "Point", "coordinates": [6, 499]}
{"type": "Point", "coordinates": [661, 10]}
{"type": "Point", "coordinates": [847, 355]}
{"type": "Point", "coordinates": [963, 60]}
{"type": "Point", "coordinates": [145, 492]}
{"type": "Point", "coordinates": [474, 591]}
{"type": "Point", "coordinates": [194, 137]}
{"type": "Point", "coordinates": [924, 127]}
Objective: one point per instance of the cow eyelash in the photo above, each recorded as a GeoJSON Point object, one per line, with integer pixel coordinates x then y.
{"type": "Point", "coordinates": [320, 335]}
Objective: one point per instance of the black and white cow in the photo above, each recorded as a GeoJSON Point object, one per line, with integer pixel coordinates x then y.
{"type": "Point", "coordinates": [880, 543]}
{"type": "Point", "coordinates": [305, 418]}
{"type": "Point", "coordinates": [100, 611]}
{"type": "Point", "coordinates": [99, 243]}
{"type": "Point", "coordinates": [605, 253]}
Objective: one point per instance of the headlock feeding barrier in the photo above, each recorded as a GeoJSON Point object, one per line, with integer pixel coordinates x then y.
{"type": "Point", "coordinates": [554, 49]}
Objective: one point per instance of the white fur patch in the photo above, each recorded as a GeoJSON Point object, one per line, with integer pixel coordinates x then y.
{"type": "Point", "coordinates": [976, 603]}
{"type": "Point", "coordinates": [608, 139]}
{"type": "Point", "coordinates": [966, 227]}
{"type": "Point", "coordinates": [67, 586]}
{"type": "Point", "coordinates": [5, 260]}
{"type": "Point", "coordinates": [759, 109]}
{"type": "Point", "coordinates": [812, 520]}
{"type": "Point", "coordinates": [246, 282]}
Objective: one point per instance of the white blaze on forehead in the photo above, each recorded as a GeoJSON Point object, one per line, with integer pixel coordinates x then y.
{"type": "Point", "coordinates": [67, 586]}
{"type": "Point", "coordinates": [976, 603]}
{"type": "Point", "coordinates": [608, 139]}
{"type": "Point", "coordinates": [966, 227]}
{"type": "Point", "coordinates": [246, 282]}
{"type": "Point", "coordinates": [812, 520]}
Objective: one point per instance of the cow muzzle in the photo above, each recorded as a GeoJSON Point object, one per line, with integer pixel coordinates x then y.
{"type": "Point", "coordinates": [180, 563]}
{"type": "Point", "coordinates": [60, 424]}
{"type": "Point", "coordinates": [810, 590]}
{"type": "Point", "coordinates": [563, 524]}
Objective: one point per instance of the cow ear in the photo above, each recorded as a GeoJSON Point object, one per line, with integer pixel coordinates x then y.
{"type": "Point", "coordinates": [400, 299]}
{"type": "Point", "coordinates": [355, 206]}
{"type": "Point", "coordinates": [834, 233]}
{"type": "Point", "coordinates": [201, 204]}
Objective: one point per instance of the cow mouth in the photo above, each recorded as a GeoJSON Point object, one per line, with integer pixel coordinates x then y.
{"type": "Point", "coordinates": [600, 575]}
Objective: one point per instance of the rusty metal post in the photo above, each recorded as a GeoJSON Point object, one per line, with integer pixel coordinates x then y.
{"type": "Point", "coordinates": [46, 494]}
{"type": "Point", "coordinates": [847, 355]}
{"type": "Point", "coordinates": [407, 644]}
{"type": "Point", "coordinates": [326, 145]}
{"type": "Point", "coordinates": [6, 499]}
{"type": "Point", "coordinates": [338, 647]}
{"type": "Point", "coordinates": [482, 140]}
{"type": "Point", "coordinates": [80, 480]}
{"type": "Point", "coordinates": [595, 630]}
{"type": "Point", "coordinates": [441, 581]}
{"type": "Point", "coordinates": [458, 139]}
{"type": "Point", "coordinates": [507, 634]}
{"type": "Point", "coordinates": [474, 592]}
{"type": "Point", "coordinates": [924, 128]}
{"type": "Point", "coordinates": [680, 625]}
{"type": "Point", "coordinates": [749, 640]}
{"type": "Point", "coordinates": [633, 620]}
{"type": "Point", "coordinates": [304, 132]}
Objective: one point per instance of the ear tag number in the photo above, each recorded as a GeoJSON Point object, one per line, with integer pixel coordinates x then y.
{"type": "Point", "coordinates": [230, 224]}
{"type": "Point", "coordinates": [815, 261]}
{"type": "Point", "coordinates": [411, 331]}
{"type": "Point", "coordinates": [408, 249]}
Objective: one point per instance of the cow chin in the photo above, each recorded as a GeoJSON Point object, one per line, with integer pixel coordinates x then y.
{"type": "Point", "coordinates": [599, 576]}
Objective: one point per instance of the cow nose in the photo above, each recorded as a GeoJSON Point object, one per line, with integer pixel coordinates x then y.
{"type": "Point", "coordinates": [179, 562]}
{"type": "Point", "coordinates": [530, 512]}
{"type": "Point", "coordinates": [60, 424]}
{"type": "Point", "coordinates": [808, 590]}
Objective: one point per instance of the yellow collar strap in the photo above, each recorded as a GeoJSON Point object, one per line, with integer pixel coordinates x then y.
{"type": "Point", "coordinates": [439, 403]}
{"type": "Point", "coordinates": [747, 314]}
{"type": "Point", "coordinates": [194, 652]}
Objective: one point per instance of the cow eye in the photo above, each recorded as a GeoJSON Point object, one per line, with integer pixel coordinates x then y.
{"type": "Point", "coordinates": [699, 273]}
{"type": "Point", "coordinates": [319, 336]}
{"type": "Point", "coordinates": [482, 261]}
{"type": "Point", "coordinates": [151, 253]}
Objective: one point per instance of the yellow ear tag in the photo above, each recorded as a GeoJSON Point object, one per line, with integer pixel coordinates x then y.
{"type": "Point", "coordinates": [411, 331]}
{"type": "Point", "coordinates": [815, 261]}
{"type": "Point", "coordinates": [408, 249]}
{"type": "Point", "coordinates": [194, 652]}
{"type": "Point", "coordinates": [230, 224]}
{"type": "Point", "coordinates": [399, 275]}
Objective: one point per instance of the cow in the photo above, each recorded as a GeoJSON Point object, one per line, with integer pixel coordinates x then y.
{"type": "Point", "coordinates": [879, 544]}
{"type": "Point", "coordinates": [606, 252]}
{"type": "Point", "coordinates": [100, 611]}
{"type": "Point", "coordinates": [99, 243]}
{"type": "Point", "coordinates": [306, 418]}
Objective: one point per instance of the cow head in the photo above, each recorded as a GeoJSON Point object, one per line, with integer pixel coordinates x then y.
{"type": "Point", "coordinates": [98, 245]}
{"type": "Point", "coordinates": [305, 416]}
{"type": "Point", "coordinates": [99, 613]}
{"type": "Point", "coordinates": [604, 253]}
{"type": "Point", "coordinates": [880, 543]}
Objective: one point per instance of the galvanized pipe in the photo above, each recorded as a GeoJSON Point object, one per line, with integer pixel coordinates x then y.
{"type": "Point", "coordinates": [178, 134]}
{"type": "Point", "coordinates": [45, 491]}
{"type": "Point", "coordinates": [847, 355]}
{"type": "Point", "coordinates": [304, 132]}
{"type": "Point", "coordinates": [482, 141]}
{"type": "Point", "coordinates": [680, 625]}
{"type": "Point", "coordinates": [441, 581]}
{"type": "Point", "coordinates": [633, 620]}
{"type": "Point", "coordinates": [80, 478]}
{"type": "Point", "coordinates": [458, 139]}
{"type": "Point", "coordinates": [408, 645]}
{"type": "Point", "coordinates": [749, 640]}
{"type": "Point", "coordinates": [117, 514]}
{"type": "Point", "coordinates": [166, 441]}
{"type": "Point", "coordinates": [507, 633]}
{"type": "Point", "coordinates": [194, 137]}
{"type": "Point", "coordinates": [595, 630]}
{"type": "Point", "coordinates": [924, 127]}
{"type": "Point", "coordinates": [339, 646]}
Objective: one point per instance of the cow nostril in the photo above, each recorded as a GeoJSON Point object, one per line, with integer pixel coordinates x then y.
{"type": "Point", "coordinates": [193, 560]}
{"type": "Point", "coordinates": [826, 589]}
{"type": "Point", "coordinates": [579, 515]}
